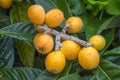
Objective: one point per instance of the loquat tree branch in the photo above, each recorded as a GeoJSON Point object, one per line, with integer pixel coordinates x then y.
{"type": "Point", "coordinates": [63, 36]}
{"type": "Point", "coordinates": [66, 28]}
{"type": "Point", "coordinates": [58, 44]}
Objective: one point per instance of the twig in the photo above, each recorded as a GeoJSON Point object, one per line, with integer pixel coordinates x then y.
{"type": "Point", "coordinates": [66, 28]}
{"type": "Point", "coordinates": [58, 44]}
{"type": "Point", "coordinates": [64, 36]}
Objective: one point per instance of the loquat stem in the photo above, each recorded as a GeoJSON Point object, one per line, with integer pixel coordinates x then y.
{"type": "Point", "coordinates": [58, 44]}
{"type": "Point", "coordinates": [64, 36]}
{"type": "Point", "coordinates": [66, 28]}
{"type": "Point", "coordinates": [79, 41]}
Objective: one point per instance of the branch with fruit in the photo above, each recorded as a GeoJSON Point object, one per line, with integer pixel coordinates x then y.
{"type": "Point", "coordinates": [64, 36]}
{"type": "Point", "coordinates": [67, 47]}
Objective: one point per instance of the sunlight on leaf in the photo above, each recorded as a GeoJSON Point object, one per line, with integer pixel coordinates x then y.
{"type": "Point", "coordinates": [113, 7]}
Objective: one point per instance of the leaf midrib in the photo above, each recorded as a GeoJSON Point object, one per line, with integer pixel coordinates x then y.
{"type": "Point", "coordinates": [104, 72]}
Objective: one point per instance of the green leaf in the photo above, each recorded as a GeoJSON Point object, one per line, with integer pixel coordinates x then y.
{"type": "Point", "coordinates": [19, 73]}
{"type": "Point", "coordinates": [85, 20]}
{"type": "Point", "coordinates": [96, 6]}
{"type": "Point", "coordinates": [14, 16]}
{"type": "Point", "coordinates": [50, 4]}
{"type": "Point", "coordinates": [73, 76]}
{"type": "Point", "coordinates": [89, 30]}
{"type": "Point", "coordinates": [47, 4]}
{"type": "Point", "coordinates": [89, 77]}
{"type": "Point", "coordinates": [109, 37]}
{"type": "Point", "coordinates": [63, 5]}
{"type": "Point", "coordinates": [66, 70]}
{"type": "Point", "coordinates": [113, 7]}
{"type": "Point", "coordinates": [113, 52]}
{"type": "Point", "coordinates": [114, 59]}
{"type": "Point", "coordinates": [6, 52]}
{"type": "Point", "coordinates": [104, 25]}
{"type": "Point", "coordinates": [98, 2]}
{"type": "Point", "coordinates": [31, 1]}
{"type": "Point", "coordinates": [118, 32]}
{"type": "Point", "coordinates": [2, 25]}
{"type": "Point", "coordinates": [4, 20]}
{"type": "Point", "coordinates": [45, 75]}
{"type": "Point", "coordinates": [77, 7]}
{"type": "Point", "coordinates": [22, 31]}
{"type": "Point", "coordinates": [107, 71]}
{"type": "Point", "coordinates": [112, 22]}
{"type": "Point", "coordinates": [19, 13]}
{"type": "Point", "coordinates": [76, 67]}
{"type": "Point", "coordinates": [91, 27]}
{"type": "Point", "coordinates": [2, 12]}
{"type": "Point", "coordinates": [26, 52]}
{"type": "Point", "coordinates": [25, 49]}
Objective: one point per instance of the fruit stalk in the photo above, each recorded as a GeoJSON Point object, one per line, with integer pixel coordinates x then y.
{"type": "Point", "coordinates": [64, 36]}
{"type": "Point", "coordinates": [66, 28]}
{"type": "Point", "coordinates": [58, 44]}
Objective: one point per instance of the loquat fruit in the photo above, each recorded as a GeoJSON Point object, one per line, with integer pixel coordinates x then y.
{"type": "Point", "coordinates": [44, 43]}
{"type": "Point", "coordinates": [54, 18]}
{"type": "Point", "coordinates": [5, 3]}
{"type": "Point", "coordinates": [75, 24]}
{"type": "Point", "coordinates": [70, 49]}
{"type": "Point", "coordinates": [88, 58]}
{"type": "Point", "coordinates": [98, 42]}
{"type": "Point", "coordinates": [36, 14]}
{"type": "Point", "coordinates": [55, 62]}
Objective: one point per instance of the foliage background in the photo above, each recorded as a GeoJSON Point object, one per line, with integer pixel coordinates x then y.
{"type": "Point", "coordinates": [20, 61]}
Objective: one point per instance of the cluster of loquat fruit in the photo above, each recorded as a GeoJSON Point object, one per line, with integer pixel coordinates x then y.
{"type": "Point", "coordinates": [88, 57]}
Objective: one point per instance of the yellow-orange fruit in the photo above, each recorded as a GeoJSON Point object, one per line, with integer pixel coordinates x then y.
{"type": "Point", "coordinates": [43, 43]}
{"type": "Point", "coordinates": [98, 42]}
{"type": "Point", "coordinates": [36, 14]}
{"type": "Point", "coordinates": [55, 62]}
{"type": "Point", "coordinates": [70, 49]}
{"type": "Point", "coordinates": [54, 18]}
{"type": "Point", "coordinates": [75, 24]}
{"type": "Point", "coordinates": [88, 58]}
{"type": "Point", "coordinates": [5, 3]}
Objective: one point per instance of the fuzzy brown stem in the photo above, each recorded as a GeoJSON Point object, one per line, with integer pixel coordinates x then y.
{"type": "Point", "coordinates": [65, 36]}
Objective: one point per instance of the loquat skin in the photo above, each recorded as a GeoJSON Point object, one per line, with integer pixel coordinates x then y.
{"type": "Point", "coordinates": [88, 58]}
{"type": "Point", "coordinates": [55, 62]}
{"type": "Point", "coordinates": [36, 14]}
{"type": "Point", "coordinates": [54, 18]}
{"type": "Point", "coordinates": [98, 41]}
{"type": "Point", "coordinates": [75, 24]}
{"type": "Point", "coordinates": [44, 43]}
{"type": "Point", "coordinates": [70, 49]}
{"type": "Point", "coordinates": [5, 3]}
